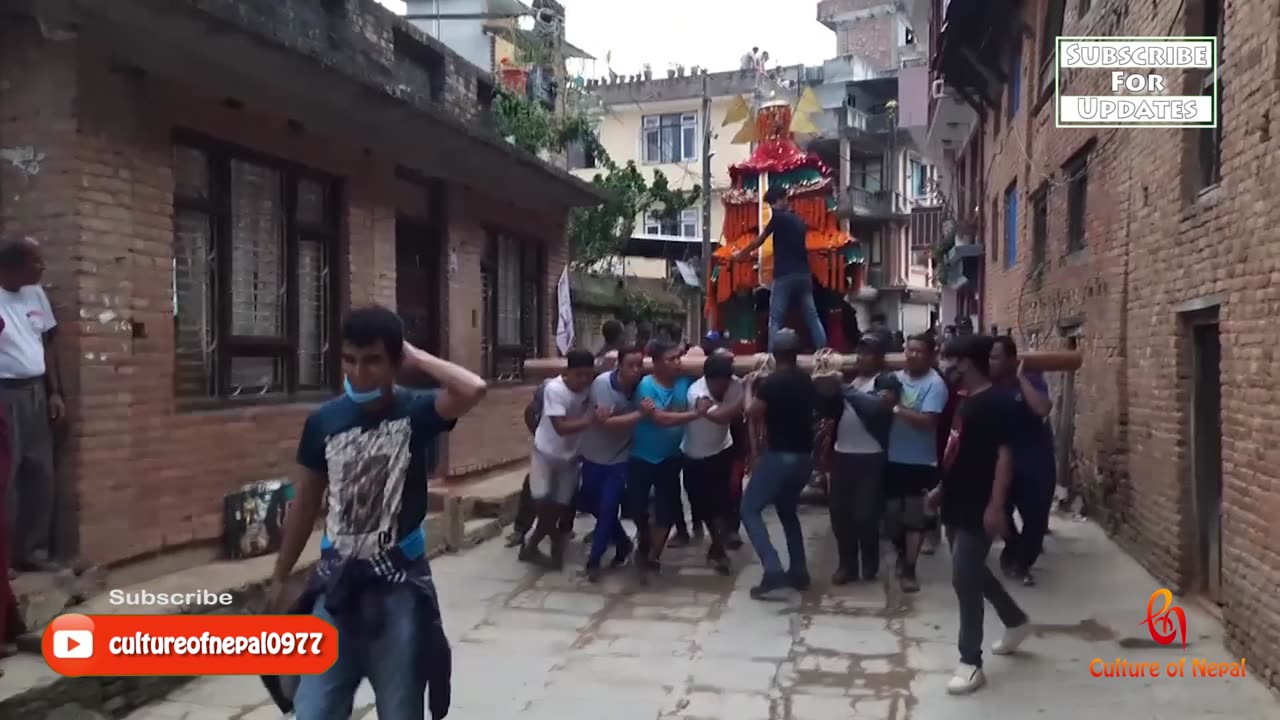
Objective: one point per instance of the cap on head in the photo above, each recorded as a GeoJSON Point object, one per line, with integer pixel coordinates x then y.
{"type": "Point", "coordinates": [786, 341]}
{"type": "Point", "coordinates": [874, 343]}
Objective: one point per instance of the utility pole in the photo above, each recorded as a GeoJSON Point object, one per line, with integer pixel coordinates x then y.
{"type": "Point", "coordinates": [706, 200]}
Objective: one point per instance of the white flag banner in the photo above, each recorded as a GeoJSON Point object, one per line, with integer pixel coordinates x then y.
{"type": "Point", "coordinates": [564, 326]}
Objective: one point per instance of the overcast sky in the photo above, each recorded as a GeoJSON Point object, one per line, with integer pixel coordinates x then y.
{"type": "Point", "coordinates": [709, 33]}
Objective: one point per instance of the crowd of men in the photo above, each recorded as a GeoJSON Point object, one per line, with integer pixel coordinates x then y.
{"type": "Point", "coordinates": [957, 439]}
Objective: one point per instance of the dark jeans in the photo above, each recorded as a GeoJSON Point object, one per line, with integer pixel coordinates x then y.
{"type": "Point", "coordinates": [389, 657]}
{"type": "Point", "coordinates": [527, 512]}
{"type": "Point", "coordinates": [699, 520]}
{"type": "Point", "coordinates": [855, 505]}
{"type": "Point", "coordinates": [1032, 496]}
{"type": "Point", "coordinates": [663, 480]}
{"type": "Point", "coordinates": [30, 492]}
{"type": "Point", "coordinates": [603, 487]}
{"type": "Point", "coordinates": [778, 480]}
{"type": "Point", "coordinates": [975, 585]}
{"type": "Point", "coordinates": [791, 291]}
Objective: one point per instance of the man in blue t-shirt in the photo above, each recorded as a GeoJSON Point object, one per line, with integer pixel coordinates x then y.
{"type": "Point", "coordinates": [792, 278]}
{"type": "Point", "coordinates": [912, 470]}
{"type": "Point", "coordinates": [655, 452]}
{"type": "Point", "coordinates": [368, 452]}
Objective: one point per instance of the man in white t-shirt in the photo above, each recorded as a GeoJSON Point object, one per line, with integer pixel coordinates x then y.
{"type": "Point", "coordinates": [707, 449]}
{"type": "Point", "coordinates": [31, 391]}
{"type": "Point", "coordinates": [554, 462]}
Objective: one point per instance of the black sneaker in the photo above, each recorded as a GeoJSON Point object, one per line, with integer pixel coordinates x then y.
{"type": "Point", "coordinates": [799, 581]}
{"type": "Point", "coordinates": [1028, 580]}
{"type": "Point", "coordinates": [843, 577]}
{"type": "Point", "coordinates": [699, 534]}
{"type": "Point", "coordinates": [719, 561]}
{"type": "Point", "coordinates": [908, 582]}
{"type": "Point", "coordinates": [533, 556]}
{"type": "Point", "coordinates": [770, 588]}
{"type": "Point", "coordinates": [622, 554]}
{"type": "Point", "coordinates": [733, 541]}
{"type": "Point", "coordinates": [591, 573]}
{"type": "Point", "coordinates": [515, 539]}
{"type": "Point", "coordinates": [679, 541]}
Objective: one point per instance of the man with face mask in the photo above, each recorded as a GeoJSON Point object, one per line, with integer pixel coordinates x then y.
{"type": "Point", "coordinates": [369, 452]}
{"type": "Point", "coordinates": [973, 497]}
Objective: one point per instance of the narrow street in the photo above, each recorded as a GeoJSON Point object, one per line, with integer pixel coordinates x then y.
{"type": "Point", "coordinates": [694, 645]}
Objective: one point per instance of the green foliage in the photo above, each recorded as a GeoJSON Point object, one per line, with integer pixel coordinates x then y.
{"type": "Point", "coordinates": [595, 233]}
{"type": "Point", "coordinates": [637, 307]}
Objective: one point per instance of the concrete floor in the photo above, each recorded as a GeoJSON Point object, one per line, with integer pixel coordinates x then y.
{"type": "Point", "coordinates": [693, 645]}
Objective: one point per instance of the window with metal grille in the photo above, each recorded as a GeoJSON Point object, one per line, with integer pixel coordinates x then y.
{"type": "Point", "coordinates": [1039, 228]}
{"type": "Point", "coordinates": [252, 297]}
{"type": "Point", "coordinates": [1209, 145]}
{"type": "Point", "coordinates": [1054, 15]}
{"type": "Point", "coordinates": [513, 293]}
{"type": "Point", "coordinates": [1076, 173]}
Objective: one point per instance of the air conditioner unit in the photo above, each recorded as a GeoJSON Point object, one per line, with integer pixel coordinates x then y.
{"type": "Point", "coordinates": [938, 90]}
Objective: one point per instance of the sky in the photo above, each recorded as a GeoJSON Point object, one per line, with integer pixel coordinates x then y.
{"type": "Point", "coordinates": [714, 34]}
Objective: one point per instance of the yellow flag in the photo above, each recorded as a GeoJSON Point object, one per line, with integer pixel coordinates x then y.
{"type": "Point", "coordinates": [802, 124]}
{"type": "Point", "coordinates": [746, 135]}
{"type": "Point", "coordinates": [808, 103]}
{"type": "Point", "coordinates": [738, 111]}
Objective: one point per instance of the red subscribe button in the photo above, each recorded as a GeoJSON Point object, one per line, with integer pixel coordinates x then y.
{"type": "Point", "coordinates": [107, 645]}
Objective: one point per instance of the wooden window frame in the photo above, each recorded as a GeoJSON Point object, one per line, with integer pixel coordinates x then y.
{"type": "Point", "coordinates": [219, 156]}
{"type": "Point", "coordinates": [1075, 172]}
{"type": "Point", "coordinates": [1209, 140]}
{"type": "Point", "coordinates": [533, 290]}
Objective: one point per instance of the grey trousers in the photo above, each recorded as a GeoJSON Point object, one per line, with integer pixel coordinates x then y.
{"type": "Point", "coordinates": [31, 481]}
{"type": "Point", "coordinates": [976, 585]}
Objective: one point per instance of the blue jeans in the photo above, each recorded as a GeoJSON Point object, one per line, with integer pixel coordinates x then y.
{"type": "Point", "coordinates": [391, 658]}
{"type": "Point", "coordinates": [778, 480]}
{"type": "Point", "coordinates": [789, 290]}
{"type": "Point", "coordinates": [603, 488]}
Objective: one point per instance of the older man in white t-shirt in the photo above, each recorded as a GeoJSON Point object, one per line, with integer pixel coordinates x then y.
{"type": "Point", "coordinates": [31, 391]}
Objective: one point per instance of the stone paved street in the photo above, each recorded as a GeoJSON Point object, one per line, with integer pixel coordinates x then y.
{"type": "Point", "coordinates": [695, 646]}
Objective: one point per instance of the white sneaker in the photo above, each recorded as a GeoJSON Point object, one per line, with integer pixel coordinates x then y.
{"type": "Point", "coordinates": [967, 679]}
{"type": "Point", "coordinates": [1012, 640]}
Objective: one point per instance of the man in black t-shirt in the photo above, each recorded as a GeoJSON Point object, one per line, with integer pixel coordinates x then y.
{"type": "Point", "coordinates": [792, 278]}
{"type": "Point", "coordinates": [786, 399]}
{"type": "Point", "coordinates": [978, 470]}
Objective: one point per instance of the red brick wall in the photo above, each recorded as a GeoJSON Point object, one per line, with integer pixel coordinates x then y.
{"type": "Point", "coordinates": [1151, 246]}
{"type": "Point", "coordinates": [143, 474]}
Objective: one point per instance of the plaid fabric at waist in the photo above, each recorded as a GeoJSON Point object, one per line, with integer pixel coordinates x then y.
{"type": "Point", "coordinates": [341, 579]}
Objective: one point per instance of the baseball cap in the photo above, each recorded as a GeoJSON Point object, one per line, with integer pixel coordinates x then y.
{"type": "Point", "coordinates": [873, 343]}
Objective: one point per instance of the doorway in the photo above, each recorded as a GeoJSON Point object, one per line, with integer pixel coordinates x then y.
{"type": "Point", "coordinates": [418, 277]}
{"type": "Point", "coordinates": [1205, 429]}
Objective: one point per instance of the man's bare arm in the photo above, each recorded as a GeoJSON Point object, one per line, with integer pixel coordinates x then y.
{"type": "Point", "coordinates": [52, 370]}
{"type": "Point", "coordinates": [571, 426]}
{"type": "Point", "coordinates": [462, 389]}
{"type": "Point", "coordinates": [309, 487]}
{"type": "Point", "coordinates": [915, 418]}
{"type": "Point", "coordinates": [624, 421]}
{"type": "Point", "coordinates": [727, 413]}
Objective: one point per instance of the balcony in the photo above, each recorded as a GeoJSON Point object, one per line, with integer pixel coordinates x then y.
{"type": "Point", "coordinates": [856, 123]}
{"type": "Point", "coordinates": [871, 205]}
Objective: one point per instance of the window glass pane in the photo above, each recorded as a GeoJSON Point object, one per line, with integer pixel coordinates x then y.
{"type": "Point", "coordinates": [652, 146]}
{"type": "Point", "coordinates": [190, 173]}
{"type": "Point", "coordinates": [690, 143]}
{"type": "Point", "coordinates": [508, 291]}
{"type": "Point", "coordinates": [257, 252]}
{"type": "Point", "coordinates": [256, 375]}
{"type": "Point", "coordinates": [313, 340]}
{"type": "Point", "coordinates": [311, 202]}
{"type": "Point", "coordinates": [670, 144]}
{"type": "Point", "coordinates": [192, 305]}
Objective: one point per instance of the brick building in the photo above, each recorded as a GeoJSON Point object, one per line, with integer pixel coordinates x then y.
{"type": "Point", "coordinates": [1156, 253]}
{"type": "Point", "coordinates": [213, 182]}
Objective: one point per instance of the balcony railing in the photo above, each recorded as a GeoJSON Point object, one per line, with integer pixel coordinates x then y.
{"type": "Point", "coordinates": [872, 204]}
{"type": "Point", "coordinates": [857, 122]}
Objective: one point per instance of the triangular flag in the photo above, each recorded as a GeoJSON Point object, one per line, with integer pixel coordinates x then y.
{"type": "Point", "coordinates": [802, 124]}
{"type": "Point", "coordinates": [746, 135]}
{"type": "Point", "coordinates": [808, 103]}
{"type": "Point", "coordinates": [738, 111]}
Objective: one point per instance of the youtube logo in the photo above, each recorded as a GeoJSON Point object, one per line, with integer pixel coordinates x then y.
{"type": "Point", "coordinates": [68, 644]}
{"type": "Point", "coordinates": [73, 644]}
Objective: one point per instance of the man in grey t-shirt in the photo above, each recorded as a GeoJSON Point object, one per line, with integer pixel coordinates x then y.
{"type": "Point", "coordinates": [605, 450]}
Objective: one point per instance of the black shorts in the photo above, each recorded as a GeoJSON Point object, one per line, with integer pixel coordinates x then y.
{"type": "Point", "coordinates": [663, 479]}
{"type": "Point", "coordinates": [707, 480]}
{"type": "Point", "coordinates": [905, 487]}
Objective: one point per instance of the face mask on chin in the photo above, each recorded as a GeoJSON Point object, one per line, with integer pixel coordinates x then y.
{"type": "Point", "coordinates": [360, 398]}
